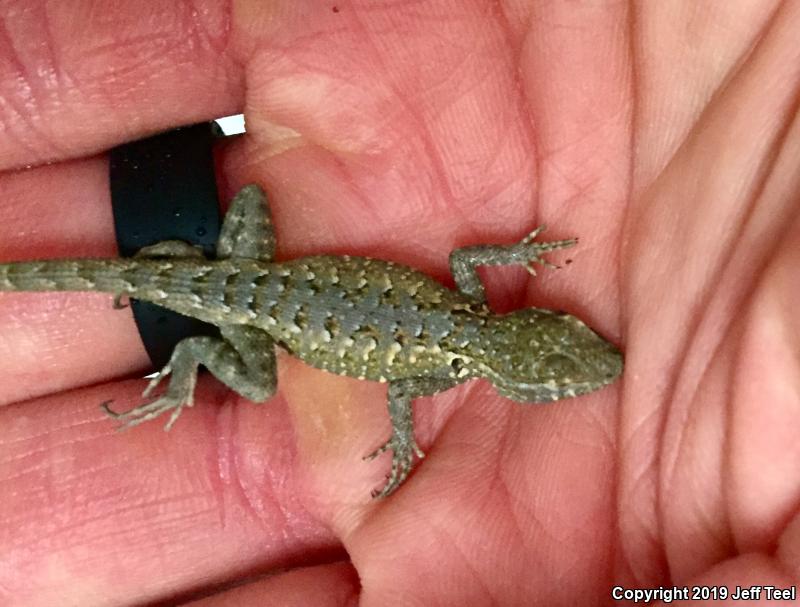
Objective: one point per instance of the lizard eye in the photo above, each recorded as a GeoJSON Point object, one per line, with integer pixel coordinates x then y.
{"type": "Point", "coordinates": [559, 365]}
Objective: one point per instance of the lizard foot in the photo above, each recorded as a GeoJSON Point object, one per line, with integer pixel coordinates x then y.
{"type": "Point", "coordinates": [403, 452]}
{"type": "Point", "coordinates": [178, 396]}
{"type": "Point", "coordinates": [530, 253]}
{"type": "Point", "coordinates": [146, 412]}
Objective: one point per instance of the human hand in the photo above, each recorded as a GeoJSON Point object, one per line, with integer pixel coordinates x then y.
{"type": "Point", "coordinates": [664, 141]}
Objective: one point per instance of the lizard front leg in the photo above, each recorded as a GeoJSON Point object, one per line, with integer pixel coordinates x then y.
{"type": "Point", "coordinates": [402, 443]}
{"type": "Point", "coordinates": [464, 261]}
{"type": "Point", "coordinates": [243, 359]}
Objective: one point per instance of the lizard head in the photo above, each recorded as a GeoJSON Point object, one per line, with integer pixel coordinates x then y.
{"type": "Point", "coordinates": [535, 355]}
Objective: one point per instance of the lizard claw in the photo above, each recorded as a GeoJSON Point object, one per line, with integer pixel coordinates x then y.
{"type": "Point", "coordinates": [542, 262]}
{"type": "Point", "coordinates": [534, 234]}
{"type": "Point", "coordinates": [118, 305]}
{"type": "Point", "coordinates": [157, 380]}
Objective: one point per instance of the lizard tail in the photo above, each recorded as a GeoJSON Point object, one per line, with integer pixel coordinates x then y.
{"type": "Point", "coordinates": [146, 279]}
{"type": "Point", "coordinates": [185, 285]}
{"type": "Point", "coordinates": [105, 275]}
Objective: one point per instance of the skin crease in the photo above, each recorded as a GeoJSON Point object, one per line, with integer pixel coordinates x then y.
{"type": "Point", "coordinates": [663, 135]}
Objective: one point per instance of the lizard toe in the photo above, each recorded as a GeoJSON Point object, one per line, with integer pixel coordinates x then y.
{"type": "Point", "coordinates": [403, 453]}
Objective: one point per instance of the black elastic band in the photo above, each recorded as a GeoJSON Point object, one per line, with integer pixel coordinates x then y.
{"type": "Point", "coordinates": [164, 188]}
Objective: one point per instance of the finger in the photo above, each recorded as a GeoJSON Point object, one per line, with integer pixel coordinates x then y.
{"type": "Point", "coordinates": [77, 77]}
{"type": "Point", "coordinates": [54, 341]}
{"type": "Point", "coordinates": [323, 586]}
{"type": "Point", "coordinates": [93, 516]}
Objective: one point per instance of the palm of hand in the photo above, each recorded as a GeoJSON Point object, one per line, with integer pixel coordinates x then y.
{"type": "Point", "coordinates": [378, 133]}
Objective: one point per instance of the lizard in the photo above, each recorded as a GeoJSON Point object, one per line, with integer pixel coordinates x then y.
{"type": "Point", "coordinates": [355, 316]}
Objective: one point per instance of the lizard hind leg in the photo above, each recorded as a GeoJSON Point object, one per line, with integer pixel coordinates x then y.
{"type": "Point", "coordinates": [243, 359]}
{"type": "Point", "coordinates": [247, 230]}
{"type": "Point", "coordinates": [170, 248]}
{"type": "Point", "coordinates": [163, 249]}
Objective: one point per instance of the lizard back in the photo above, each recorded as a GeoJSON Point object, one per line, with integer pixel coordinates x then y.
{"type": "Point", "coordinates": [364, 317]}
